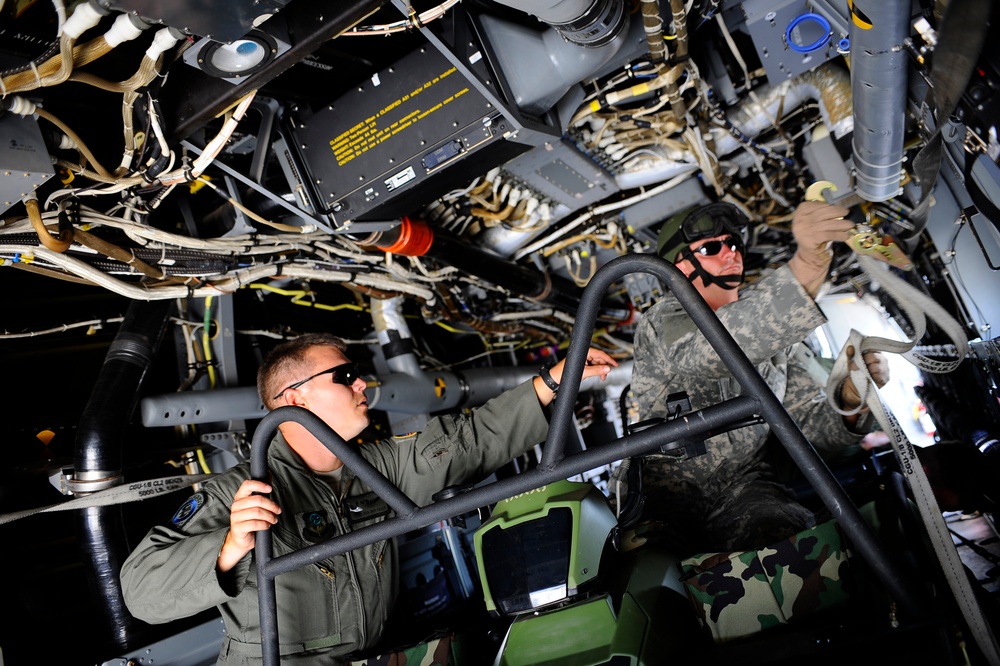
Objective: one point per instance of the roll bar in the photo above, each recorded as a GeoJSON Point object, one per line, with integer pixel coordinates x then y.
{"type": "Point", "coordinates": [757, 401]}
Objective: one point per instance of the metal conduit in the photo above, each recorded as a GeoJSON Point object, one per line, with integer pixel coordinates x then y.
{"type": "Point", "coordinates": [758, 400]}
{"type": "Point", "coordinates": [878, 81]}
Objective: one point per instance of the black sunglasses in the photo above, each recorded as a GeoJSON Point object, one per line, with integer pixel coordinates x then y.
{"type": "Point", "coordinates": [714, 247]}
{"type": "Point", "coordinates": [345, 374]}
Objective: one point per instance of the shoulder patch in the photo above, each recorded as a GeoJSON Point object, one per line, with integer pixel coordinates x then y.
{"type": "Point", "coordinates": [188, 509]}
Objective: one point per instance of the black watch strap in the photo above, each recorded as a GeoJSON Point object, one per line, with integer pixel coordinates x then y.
{"type": "Point", "coordinates": [547, 378]}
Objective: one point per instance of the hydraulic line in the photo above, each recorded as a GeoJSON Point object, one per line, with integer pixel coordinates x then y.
{"type": "Point", "coordinates": [59, 243]}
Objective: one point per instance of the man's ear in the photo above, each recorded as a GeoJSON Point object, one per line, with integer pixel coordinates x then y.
{"type": "Point", "coordinates": [295, 398]}
{"type": "Point", "coordinates": [685, 267]}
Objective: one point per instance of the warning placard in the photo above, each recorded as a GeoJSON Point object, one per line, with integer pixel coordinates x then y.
{"type": "Point", "coordinates": [377, 128]}
{"type": "Point", "coordinates": [382, 127]}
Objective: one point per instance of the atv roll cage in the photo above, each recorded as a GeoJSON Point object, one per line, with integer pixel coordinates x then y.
{"type": "Point", "coordinates": [757, 401]}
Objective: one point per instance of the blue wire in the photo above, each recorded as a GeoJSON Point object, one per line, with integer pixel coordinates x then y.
{"type": "Point", "coordinates": [819, 43]}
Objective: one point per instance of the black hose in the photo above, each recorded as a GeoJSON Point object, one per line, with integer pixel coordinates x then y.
{"type": "Point", "coordinates": [98, 458]}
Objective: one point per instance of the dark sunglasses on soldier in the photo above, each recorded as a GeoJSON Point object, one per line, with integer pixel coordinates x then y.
{"type": "Point", "coordinates": [345, 374]}
{"type": "Point", "coordinates": [714, 247]}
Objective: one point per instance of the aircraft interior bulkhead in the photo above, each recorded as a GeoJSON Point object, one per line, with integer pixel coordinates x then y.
{"type": "Point", "coordinates": [464, 191]}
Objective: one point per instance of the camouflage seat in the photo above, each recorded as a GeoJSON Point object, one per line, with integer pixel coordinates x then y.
{"type": "Point", "coordinates": [739, 594]}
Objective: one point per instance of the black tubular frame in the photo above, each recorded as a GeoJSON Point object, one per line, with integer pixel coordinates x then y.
{"type": "Point", "coordinates": [757, 400]}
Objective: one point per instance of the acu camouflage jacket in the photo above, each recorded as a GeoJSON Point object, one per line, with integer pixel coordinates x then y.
{"type": "Point", "coordinates": [769, 321]}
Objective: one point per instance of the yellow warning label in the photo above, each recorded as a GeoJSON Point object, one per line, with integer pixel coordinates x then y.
{"type": "Point", "coordinates": [640, 89]}
{"type": "Point", "coordinates": [439, 387]}
{"type": "Point", "coordinates": [375, 129]}
{"type": "Point", "coordinates": [859, 17]}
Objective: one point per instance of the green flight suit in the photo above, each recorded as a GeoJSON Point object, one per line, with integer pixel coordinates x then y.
{"type": "Point", "coordinates": [333, 607]}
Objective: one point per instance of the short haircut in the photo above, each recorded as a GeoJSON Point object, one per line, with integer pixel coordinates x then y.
{"type": "Point", "coordinates": [282, 365]}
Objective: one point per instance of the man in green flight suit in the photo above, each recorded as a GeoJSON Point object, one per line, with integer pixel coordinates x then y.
{"type": "Point", "coordinates": [329, 609]}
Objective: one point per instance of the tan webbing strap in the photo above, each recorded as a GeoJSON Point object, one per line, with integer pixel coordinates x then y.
{"type": "Point", "coordinates": [917, 307]}
{"type": "Point", "coordinates": [128, 492]}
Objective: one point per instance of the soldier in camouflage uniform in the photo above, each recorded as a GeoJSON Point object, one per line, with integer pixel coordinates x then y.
{"type": "Point", "coordinates": [728, 498]}
{"type": "Point", "coordinates": [333, 607]}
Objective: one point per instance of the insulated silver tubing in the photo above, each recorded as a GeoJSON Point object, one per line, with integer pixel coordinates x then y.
{"type": "Point", "coordinates": [603, 21]}
{"type": "Point", "coordinates": [878, 82]}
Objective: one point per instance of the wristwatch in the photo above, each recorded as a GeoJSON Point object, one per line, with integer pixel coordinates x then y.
{"type": "Point", "coordinates": [547, 378]}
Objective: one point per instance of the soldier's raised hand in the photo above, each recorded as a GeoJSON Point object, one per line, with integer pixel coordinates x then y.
{"type": "Point", "coordinates": [815, 227]}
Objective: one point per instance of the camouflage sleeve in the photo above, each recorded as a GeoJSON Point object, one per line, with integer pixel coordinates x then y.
{"type": "Point", "coordinates": [805, 400]}
{"type": "Point", "coordinates": [770, 316]}
{"type": "Point", "coordinates": [649, 383]}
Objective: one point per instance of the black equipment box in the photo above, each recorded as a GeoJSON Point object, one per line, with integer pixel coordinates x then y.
{"type": "Point", "coordinates": [408, 126]}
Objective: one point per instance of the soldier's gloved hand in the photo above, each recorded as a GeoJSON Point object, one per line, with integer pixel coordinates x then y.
{"type": "Point", "coordinates": [815, 226]}
{"type": "Point", "coordinates": [878, 368]}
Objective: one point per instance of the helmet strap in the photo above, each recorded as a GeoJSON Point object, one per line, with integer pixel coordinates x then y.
{"type": "Point", "coordinates": [724, 281]}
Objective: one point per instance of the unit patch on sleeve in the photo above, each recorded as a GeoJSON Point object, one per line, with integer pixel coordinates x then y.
{"type": "Point", "coordinates": [188, 509]}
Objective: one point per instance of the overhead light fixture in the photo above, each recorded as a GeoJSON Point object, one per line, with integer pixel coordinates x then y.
{"type": "Point", "coordinates": [236, 60]}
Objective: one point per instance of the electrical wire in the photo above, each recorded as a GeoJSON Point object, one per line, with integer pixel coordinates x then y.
{"type": "Point", "coordinates": [206, 341]}
{"type": "Point", "coordinates": [299, 296]}
{"type": "Point", "coordinates": [956, 269]}
{"type": "Point", "coordinates": [190, 348]}
{"type": "Point", "coordinates": [412, 22]}
{"type": "Point", "coordinates": [215, 146]}
{"type": "Point", "coordinates": [600, 210]}
{"type": "Point", "coordinates": [202, 462]}
{"type": "Point", "coordinates": [92, 325]}
{"type": "Point", "coordinates": [77, 141]}
{"type": "Point", "coordinates": [304, 229]}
